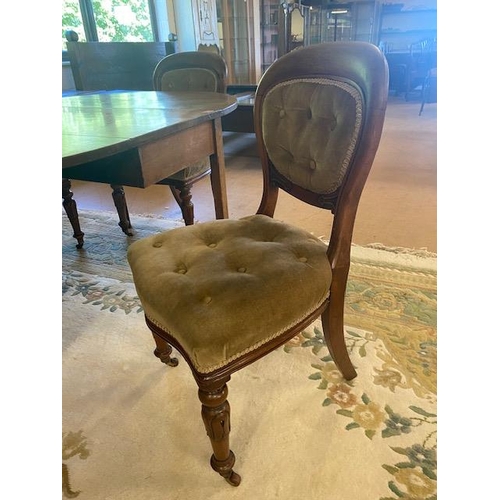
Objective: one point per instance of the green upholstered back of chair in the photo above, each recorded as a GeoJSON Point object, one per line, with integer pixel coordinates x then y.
{"type": "Point", "coordinates": [310, 129]}
{"type": "Point", "coordinates": [191, 71]}
{"type": "Point", "coordinates": [319, 112]}
{"type": "Point", "coordinates": [200, 79]}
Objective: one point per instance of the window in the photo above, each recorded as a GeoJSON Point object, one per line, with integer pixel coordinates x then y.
{"type": "Point", "coordinates": [110, 20]}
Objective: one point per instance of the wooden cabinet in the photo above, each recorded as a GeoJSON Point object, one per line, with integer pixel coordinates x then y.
{"type": "Point", "coordinates": [355, 21]}
{"type": "Point", "coordinates": [269, 12]}
{"type": "Point", "coordinates": [239, 39]}
{"type": "Point", "coordinates": [252, 34]}
{"type": "Point", "coordinates": [399, 29]}
{"type": "Point", "coordinates": [205, 22]}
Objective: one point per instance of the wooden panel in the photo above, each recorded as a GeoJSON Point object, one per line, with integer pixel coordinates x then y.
{"type": "Point", "coordinates": [240, 120]}
{"type": "Point", "coordinates": [116, 65]}
{"type": "Point", "coordinates": [205, 22]}
{"type": "Point", "coordinates": [146, 165]}
{"type": "Point", "coordinates": [123, 168]}
{"type": "Point", "coordinates": [166, 156]}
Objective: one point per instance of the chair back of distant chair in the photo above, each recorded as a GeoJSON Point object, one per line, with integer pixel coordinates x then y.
{"type": "Point", "coordinates": [189, 71]}
{"type": "Point", "coordinates": [193, 71]}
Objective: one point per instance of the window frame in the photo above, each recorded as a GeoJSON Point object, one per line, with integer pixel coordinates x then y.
{"type": "Point", "coordinates": [90, 27]}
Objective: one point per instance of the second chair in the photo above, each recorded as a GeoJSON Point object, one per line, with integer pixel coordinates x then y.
{"type": "Point", "coordinates": [182, 71]}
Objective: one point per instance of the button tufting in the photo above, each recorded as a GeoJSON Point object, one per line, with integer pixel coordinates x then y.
{"type": "Point", "coordinates": [242, 269]}
{"type": "Point", "coordinates": [312, 165]}
{"type": "Point", "coordinates": [182, 271]}
{"type": "Point", "coordinates": [207, 300]}
{"type": "Point", "coordinates": [212, 245]}
{"type": "Point", "coordinates": [303, 259]}
{"type": "Point", "coordinates": [282, 113]}
{"type": "Point", "coordinates": [157, 244]}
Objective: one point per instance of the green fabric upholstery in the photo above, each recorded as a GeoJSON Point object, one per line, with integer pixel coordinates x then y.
{"type": "Point", "coordinates": [310, 129]}
{"type": "Point", "coordinates": [192, 79]}
{"type": "Point", "coordinates": [219, 287]}
{"type": "Point", "coordinates": [191, 171]}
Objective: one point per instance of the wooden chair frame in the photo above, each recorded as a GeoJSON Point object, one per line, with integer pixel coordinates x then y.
{"type": "Point", "coordinates": [363, 66]}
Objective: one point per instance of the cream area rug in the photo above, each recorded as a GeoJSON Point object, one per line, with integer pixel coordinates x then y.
{"type": "Point", "coordinates": [132, 428]}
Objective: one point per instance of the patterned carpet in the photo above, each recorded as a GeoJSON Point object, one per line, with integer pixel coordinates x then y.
{"type": "Point", "coordinates": [132, 428]}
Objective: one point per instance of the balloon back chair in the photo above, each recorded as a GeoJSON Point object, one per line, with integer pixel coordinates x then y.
{"type": "Point", "coordinates": [190, 71]}
{"type": "Point", "coordinates": [226, 293]}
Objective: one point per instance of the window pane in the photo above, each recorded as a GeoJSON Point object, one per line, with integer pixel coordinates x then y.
{"type": "Point", "coordinates": [123, 20]}
{"type": "Point", "coordinates": [116, 20]}
{"type": "Point", "coordinates": [72, 20]}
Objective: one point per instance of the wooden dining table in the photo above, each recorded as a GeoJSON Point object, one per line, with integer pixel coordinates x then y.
{"type": "Point", "coordinates": [138, 138]}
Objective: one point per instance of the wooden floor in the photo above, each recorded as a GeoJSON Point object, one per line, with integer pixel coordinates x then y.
{"type": "Point", "coordinates": [397, 207]}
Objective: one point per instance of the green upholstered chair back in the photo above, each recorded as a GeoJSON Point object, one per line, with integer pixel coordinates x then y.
{"type": "Point", "coordinates": [191, 71]}
{"type": "Point", "coordinates": [310, 128]}
{"type": "Point", "coordinates": [200, 79]}
{"type": "Point", "coordinates": [319, 112]}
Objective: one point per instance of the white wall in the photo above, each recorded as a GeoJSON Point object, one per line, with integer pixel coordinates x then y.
{"type": "Point", "coordinates": [183, 14]}
{"type": "Point", "coordinates": [162, 20]}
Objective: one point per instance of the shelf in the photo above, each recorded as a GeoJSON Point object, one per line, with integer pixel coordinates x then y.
{"type": "Point", "coordinates": [398, 12]}
{"type": "Point", "coordinates": [408, 33]}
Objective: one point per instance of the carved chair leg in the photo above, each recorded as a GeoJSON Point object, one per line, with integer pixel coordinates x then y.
{"type": "Point", "coordinates": [215, 412]}
{"type": "Point", "coordinates": [332, 320]}
{"type": "Point", "coordinates": [175, 194]}
{"type": "Point", "coordinates": [163, 351]}
{"type": "Point", "coordinates": [183, 198]}
{"type": "Point", "coordinates": [121, 208]}
{"type": "Point", "coordinates": [69, 205]}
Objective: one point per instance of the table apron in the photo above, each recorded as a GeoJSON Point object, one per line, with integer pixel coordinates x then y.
{"type": "Point", "coordinates": [152, 162]}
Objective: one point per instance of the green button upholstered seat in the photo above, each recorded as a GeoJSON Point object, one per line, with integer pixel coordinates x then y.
{"type": "Point", "coordinates": [214, 286]}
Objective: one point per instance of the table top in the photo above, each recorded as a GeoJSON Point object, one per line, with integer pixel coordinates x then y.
{"type": "Point", "coordinates": [95, 126]}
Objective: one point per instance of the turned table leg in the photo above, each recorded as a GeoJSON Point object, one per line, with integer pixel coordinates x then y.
{"type": "Point", "coordinates": [215, 412]}
{"type": "Point", "coordinates": [69, 205]}
{"type": "Point", "coordinates": [121, 208]}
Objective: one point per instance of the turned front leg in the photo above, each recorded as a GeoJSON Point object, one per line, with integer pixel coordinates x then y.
{"type": "Point", "coordinates": [69, 205]}
{"type": "Point", "coordinates": [215, 412]}
{"type": "Point", "coordinates": [163, 351]}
